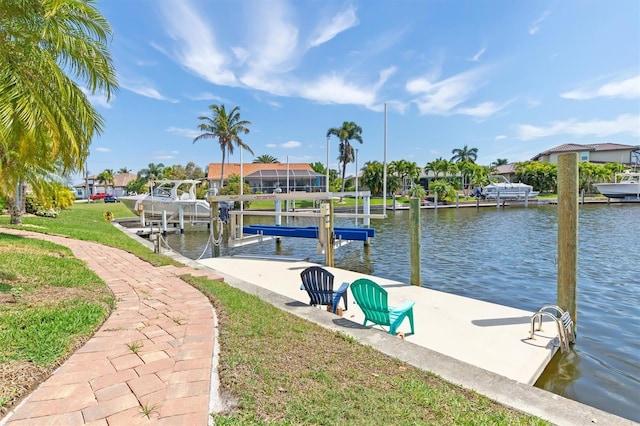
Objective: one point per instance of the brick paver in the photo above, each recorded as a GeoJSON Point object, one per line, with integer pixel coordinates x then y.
{"type": "Point", "coordinates": [154, 353]}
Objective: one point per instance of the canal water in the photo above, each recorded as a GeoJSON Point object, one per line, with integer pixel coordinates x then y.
{"type": "Point", "coordinates": [508, 256]}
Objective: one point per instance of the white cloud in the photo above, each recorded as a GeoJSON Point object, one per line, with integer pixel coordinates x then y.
{"type": "Point", "coordinates": [291, 144]}
{"type": "Point", "coordinates": [144, 90]}
{"type": "Point", "coordinates": [189, 133]}
{"type": "Point", "coordinates": [500, 137]}
{"type": "Point", "coordinates": [206, 96]}
{"type": "Point", "coordinates": [103, 149]}
{"type": "Point", "coordinates": [286, 145]}
{"type": "Point", "coordinates": [340, 22]}
{"type": "Point", "coordinates": [196, 49]}
{"type": "Point", "coordinates": [479, 53]}
{"type": "Point", "coordinates": [442, 97]}
{"type": "Point", "coordinates": [265, 60]}
{"type": "Point", "coordinates": [273, 38]}
{"type": "Point", "coordinates": [533, 102]}
{"type": "Point", "coordinates": [626, 123]}
{"type": "Point", "coordinates": [482, 110]}
{"type": "Point", "coordinates": [535, 26]}
{"type": "Point", "coordinates": [628, 88]}
{"type": "Point", "coordinates": [333, 88]}
{"type": "Point", "coordinates": [98, 99]}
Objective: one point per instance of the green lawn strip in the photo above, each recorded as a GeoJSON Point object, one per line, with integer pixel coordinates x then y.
{"type": "Point", "coordinates": [285, 370]}
{"type": "Point", "coordinates": [85, 221]}
{"type": "Point", "coordinates": [50, 304]}
{"type": "Point", "coordinates": [45, 335]}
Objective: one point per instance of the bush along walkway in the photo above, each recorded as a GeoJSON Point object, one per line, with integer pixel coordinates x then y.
{"type": "Point", "coordinates": [150, 362]}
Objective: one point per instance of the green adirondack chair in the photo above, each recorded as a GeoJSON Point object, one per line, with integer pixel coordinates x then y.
{"type": "Point", "coordinates": [372, 299]}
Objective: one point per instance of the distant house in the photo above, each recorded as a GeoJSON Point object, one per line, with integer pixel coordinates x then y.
{"type": "Point", "coordinates": [594, 153]}
{"type": "Point", "coordinates": [507, 170]}
{"type": "Point", "coordinates": [92, 186]}
{"type": "Point", "coordinates": [267, 177]}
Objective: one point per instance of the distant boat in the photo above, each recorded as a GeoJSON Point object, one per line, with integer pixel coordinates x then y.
{"type": "Point", "coordinates": [168, 196]}
{"type": "Point", "coordinates": [501, 187]}
{"type": "Point", "coordinates": [625, 185]}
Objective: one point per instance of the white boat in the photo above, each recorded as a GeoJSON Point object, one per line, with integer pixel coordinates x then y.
{"type": "Point", "coordinates": [625, 185]}
{"type": "Point", "coordinates": [500, 187]}
{"type": "Point", "coordinates": [169, 196]}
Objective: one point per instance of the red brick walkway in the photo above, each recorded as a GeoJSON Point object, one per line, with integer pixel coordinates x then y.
{"type": "Point", "coordinates": [105, 382]}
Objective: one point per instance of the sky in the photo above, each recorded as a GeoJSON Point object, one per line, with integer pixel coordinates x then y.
{"type": "Point", "coordinates": [510, 78]}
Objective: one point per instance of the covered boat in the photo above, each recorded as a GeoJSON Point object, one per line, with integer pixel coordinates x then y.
{"type": "Point", "coordinates": [500, 187]}
{"type": "Point", "coordinates": [169, 196]}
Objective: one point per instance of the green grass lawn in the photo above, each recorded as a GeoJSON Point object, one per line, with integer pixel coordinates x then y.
{"type": "Point", "coordinates": [277, 367]}
{"type": "Point", "coordinates": [85, 221]}
{"type": "Point", "coordinates": [50, 303]}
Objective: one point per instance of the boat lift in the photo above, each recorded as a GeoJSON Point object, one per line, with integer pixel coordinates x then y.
{"type": "Point", "coordinates": [325, 215]}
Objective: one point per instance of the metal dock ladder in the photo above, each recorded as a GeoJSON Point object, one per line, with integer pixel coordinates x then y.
{"type": "Point", "coordinates": [563, 322]}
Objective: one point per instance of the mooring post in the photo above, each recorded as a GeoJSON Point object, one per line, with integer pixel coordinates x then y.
{"type": "Point", "coordinates": [215, 235]}
{"type": "Point", "coordinates": [331, 240]}
{"type": "Point", "coordinates": [366, 209]}
{"type": "Point", "coordinates": [278, 208]}
{"type": "Point", "coordinates": [164, 222]}
{"type": "Point", "coordinates": [414, 219]}
{"type": "Point", "coordinates": [568, 233]}
{"type": "Point", "coordinates": [181, 217]}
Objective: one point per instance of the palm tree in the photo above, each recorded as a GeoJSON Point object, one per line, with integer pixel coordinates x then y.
{"type": "Point", "coordinates": [464, 154]}
{"type": "Point", "coordinates": [373, 176]}
{"type": "Point", "coordinates": [266, 158]}
{"type": "Point", "coordinates": [105, 178]}
{"type": "Point", "coordinates": [349, 131]}
{"type": "Point", "coordinates": [152, 172]}
{"type": "Point", "coordinates": [318, 167]}
{"type": "Point", "coordinates": [49, 53]}
{"type": "Point", "coordinates": [406, 171]}
{"type": "Point", "coordinates": [124, 170]}
{"type": "Point", "coordinates": [226, 128]}
{"type": "Point", "coordinates": [500, 162]}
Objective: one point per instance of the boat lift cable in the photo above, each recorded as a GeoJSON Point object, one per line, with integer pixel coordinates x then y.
{"type": "Point", "coordinates": [210, 240]}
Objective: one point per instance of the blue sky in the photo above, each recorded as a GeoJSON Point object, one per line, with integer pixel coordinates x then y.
{"type": "Point", "coordinates": [511, 78]}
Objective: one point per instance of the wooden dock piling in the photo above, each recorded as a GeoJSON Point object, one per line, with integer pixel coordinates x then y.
{"type": "Point", "coordinates": [568, 233]}
{"type": "Point", "coordinates": [414, 219]}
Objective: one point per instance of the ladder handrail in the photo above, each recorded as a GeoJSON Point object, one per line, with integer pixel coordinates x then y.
{"type": "Point", "coordinates": [563, 321]}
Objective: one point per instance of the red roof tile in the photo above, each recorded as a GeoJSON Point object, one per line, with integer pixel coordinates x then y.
{"type": "Point", "coordinates": [248, 168]}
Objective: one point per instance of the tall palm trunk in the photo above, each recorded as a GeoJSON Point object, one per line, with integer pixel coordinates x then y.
{"type": "Point", "coordinates": [224, 152]}
{"type": "Point", "coordinates": [16, 204]}
{"type": "Point", "coordinates": [344, 169]}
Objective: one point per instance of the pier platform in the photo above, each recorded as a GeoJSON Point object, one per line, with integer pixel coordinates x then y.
{"type": "Point", "coordinates": [486, 335]}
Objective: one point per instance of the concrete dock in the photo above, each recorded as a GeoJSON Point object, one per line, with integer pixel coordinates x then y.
{"type": "Point", "coordinates": [485, 335]}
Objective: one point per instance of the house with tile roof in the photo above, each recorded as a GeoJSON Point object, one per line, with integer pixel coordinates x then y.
{"type": "Point", "coordinates": [594, 153]}
{"type": "Point", "coordinates": [267, 177]}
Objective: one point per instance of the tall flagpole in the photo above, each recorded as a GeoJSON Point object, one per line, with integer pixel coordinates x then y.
{"type": "Point", "coordinates": [327, 178]}
{"type": "Point", "coordinates": [241, 193]}
{"type": "Point", "coordinates": [384, 165]}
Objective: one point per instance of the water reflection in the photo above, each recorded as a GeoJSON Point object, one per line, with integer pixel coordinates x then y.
{"type": "Point", "coordinates": [508, 256]}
